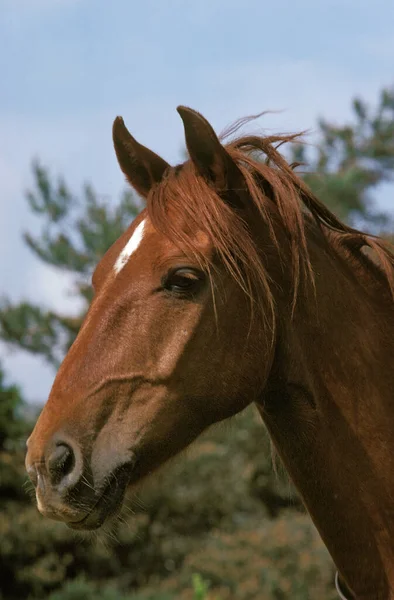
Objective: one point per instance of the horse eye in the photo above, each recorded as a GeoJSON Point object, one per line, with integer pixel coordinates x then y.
{"type": "Point", "coordinates": [185, 281]}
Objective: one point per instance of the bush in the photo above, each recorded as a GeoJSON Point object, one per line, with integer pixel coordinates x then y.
{"type": "Point", "coordinates": [209, 512]}
{"type": "Point", "coordinates": [12, 425]}
{"type": "Point", "coordinates": [278, 560]}
{"type": "Point", "coordinates": [81, 589]}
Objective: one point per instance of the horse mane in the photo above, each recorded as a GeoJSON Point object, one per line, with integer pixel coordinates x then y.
{"type": "Point", "coordinates": [184, 203]}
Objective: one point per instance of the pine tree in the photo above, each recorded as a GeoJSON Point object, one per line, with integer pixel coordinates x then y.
{"type": "Point", "coordinates": [76, 232]}
{"type": "Point", "coordinates": [352, 160]}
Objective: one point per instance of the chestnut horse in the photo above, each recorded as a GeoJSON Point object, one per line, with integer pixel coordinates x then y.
{"type": "Point", "coordinates": [235, 285]}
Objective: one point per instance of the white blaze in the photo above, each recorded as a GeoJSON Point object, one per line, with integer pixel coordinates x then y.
{"type": "Point", "coordinates": [130, 247]}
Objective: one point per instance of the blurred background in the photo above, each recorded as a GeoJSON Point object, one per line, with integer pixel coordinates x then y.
{"type": "Point", "coordinates": [218, 523]}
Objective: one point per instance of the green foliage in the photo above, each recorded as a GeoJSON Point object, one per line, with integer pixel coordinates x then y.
{"type": "Point", "coordinates": [352, 160]}
{"type": "Point", "coordinates": [75, 234]}
{"type": "Point", "coordinates": [37, 555]}
{"type": "Point", "coordinates": [200, 587]}
{"type": "Point", "coordinates": [76, 231]}
{"type": "Point", "coordinates": [37, 330]}
{"type": "Point", "coordinates": [12, 426]}
{"type": "Point", "coordinates": [279, 559]}
{"type": "Point", "coordinates": [181, 524]}
{"type": "Point", "coordinates": [81, 589]}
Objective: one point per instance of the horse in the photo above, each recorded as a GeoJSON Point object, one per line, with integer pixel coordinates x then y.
{"type": "Point", "coordinates": [234, 285]}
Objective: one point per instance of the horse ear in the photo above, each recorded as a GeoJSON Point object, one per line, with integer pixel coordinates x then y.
{"type": "Point", "coordinates": [142, 167]}
{"type": "Point", "coordinates": [211, 159]}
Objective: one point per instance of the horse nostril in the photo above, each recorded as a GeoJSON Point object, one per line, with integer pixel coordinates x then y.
{"type": "Point", "coordinates": [60, 463]}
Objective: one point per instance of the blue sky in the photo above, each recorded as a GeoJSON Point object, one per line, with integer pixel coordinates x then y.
{"type": "Point", "coordinates": [68, 67]}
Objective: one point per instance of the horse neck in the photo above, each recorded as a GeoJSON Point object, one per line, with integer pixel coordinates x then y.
{"type": "Point", "coordinates": [329, 409]}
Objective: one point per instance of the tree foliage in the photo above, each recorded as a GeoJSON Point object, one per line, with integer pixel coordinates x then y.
{"type": "Point", "coordinates": [75, 233]}
{"type": "Point", "coordinates": [12, 422]}
{"type": "Point", "coordinates": [350, 161]}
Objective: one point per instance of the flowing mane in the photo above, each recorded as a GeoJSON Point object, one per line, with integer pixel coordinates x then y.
{"type": "Point", "coordinates": [269, 178]}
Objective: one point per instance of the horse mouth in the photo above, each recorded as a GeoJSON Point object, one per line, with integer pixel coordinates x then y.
{"type": "Point", "coordinates": [107, 505]}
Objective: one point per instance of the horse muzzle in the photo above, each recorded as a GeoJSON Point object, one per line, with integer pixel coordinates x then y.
{"type": "Point", "coordinates": [66, 490]}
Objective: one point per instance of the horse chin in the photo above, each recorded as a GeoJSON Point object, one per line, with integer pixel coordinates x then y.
{"type": "Point", "coordinates": [108, 504]}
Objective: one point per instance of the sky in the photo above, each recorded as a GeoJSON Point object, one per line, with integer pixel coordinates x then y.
{"type": "Point", "coordinates": [68, 67]}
